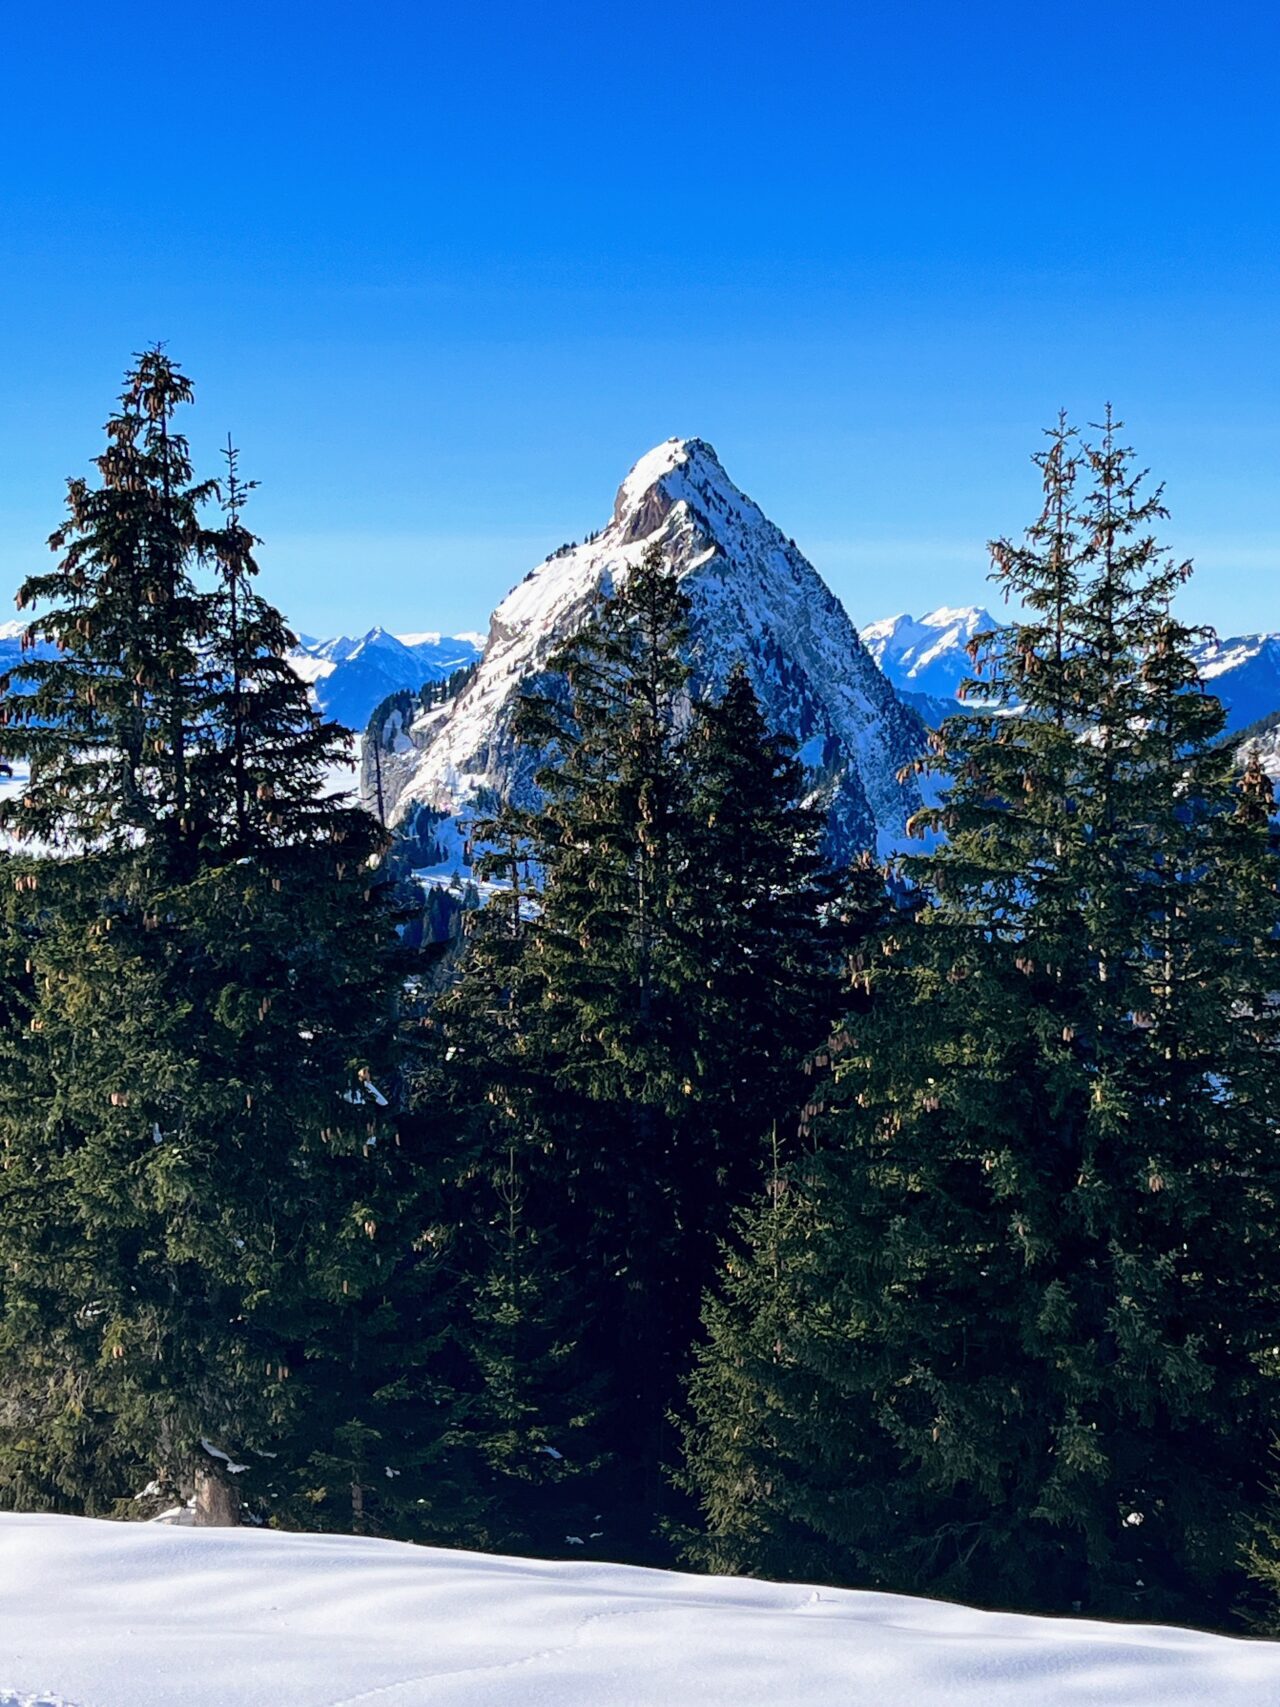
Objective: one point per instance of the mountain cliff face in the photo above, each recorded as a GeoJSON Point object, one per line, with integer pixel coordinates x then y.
{"type": "Point", "coordinates": [754, 597]}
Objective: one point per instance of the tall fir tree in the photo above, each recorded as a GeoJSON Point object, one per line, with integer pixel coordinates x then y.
{"type": "Point", "coordinates": [105, 721]}
{"type": "Point", "coordinates": [211, 1212]}
{"type": "Point", "coordinates": [529, 1401]}
{"type": "Point", "coordinates": [1012, 1338]}
{"type": "Point", "coordinates": [656, 1004]}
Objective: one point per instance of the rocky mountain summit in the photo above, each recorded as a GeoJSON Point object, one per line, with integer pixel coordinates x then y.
{"type": "Point", "coordinates": [927, 656]}
{"type": "Point", "coordinates": [754, 597]}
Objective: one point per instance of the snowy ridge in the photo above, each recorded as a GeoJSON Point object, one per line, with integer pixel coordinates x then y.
{"type": "Point", "coordinates": [928, 656]}
{"type": "Point", "coordinates": [98, 1614]}
{"type": "Point", "coordinates": [1263, 738]}
{"type": "Point", "coordinates": [349, 676]}
{"type": "Point", "coordinates": [1244, 673]}
{"type": "Point", "coordinates": [926, 660]}
{"type": "Point", "coordinates": [431, 638]}
{"type": "Point", "coordinates": [754, 597]}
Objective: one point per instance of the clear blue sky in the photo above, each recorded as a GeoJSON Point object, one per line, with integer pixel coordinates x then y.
{"type": "Point", "coordinates": [446, 271]}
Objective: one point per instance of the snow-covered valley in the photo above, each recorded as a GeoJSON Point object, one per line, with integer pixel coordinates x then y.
{"type": "Point", "coordinates": [96, 1614]}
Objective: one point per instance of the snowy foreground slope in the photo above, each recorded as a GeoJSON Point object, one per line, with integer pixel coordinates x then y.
{"type": "Point", "coordinates": [138, 1615]}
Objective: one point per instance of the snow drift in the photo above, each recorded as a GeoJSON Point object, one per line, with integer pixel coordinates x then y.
{"type": "Point", "coordinates": [96, 1614]}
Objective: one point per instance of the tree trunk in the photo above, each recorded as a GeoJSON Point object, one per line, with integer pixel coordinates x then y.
{"type": "Point", "coordinates": [217, 1501]}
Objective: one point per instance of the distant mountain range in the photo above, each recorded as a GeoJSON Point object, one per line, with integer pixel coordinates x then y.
{"type": "Point", "coordinates": [926, 660]}
{"type": "Point", "coordinates": [755, 597]}
{"type": "Point", "coordinates": [350, 676]}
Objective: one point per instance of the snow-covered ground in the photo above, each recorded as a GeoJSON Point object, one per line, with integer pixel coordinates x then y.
{"type": "Point", "coordinates": [139, 1615]}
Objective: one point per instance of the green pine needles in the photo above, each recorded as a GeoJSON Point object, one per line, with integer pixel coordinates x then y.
{"type": "Point", "coordinates": [910, 1229]}
{"type": "Point", "coordinates": [1006, 1330]}
{"type": "Point", "coordinates": [205, 1201]}
{"type": "Point", "coordinates": [619, 1046]}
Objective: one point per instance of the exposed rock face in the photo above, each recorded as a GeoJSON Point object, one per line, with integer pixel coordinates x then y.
{"type": "Point", "coordinates": [754, 598]}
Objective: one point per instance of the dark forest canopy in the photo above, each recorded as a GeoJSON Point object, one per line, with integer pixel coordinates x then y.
{"type": "Point", "coordinates": [689, 1200]}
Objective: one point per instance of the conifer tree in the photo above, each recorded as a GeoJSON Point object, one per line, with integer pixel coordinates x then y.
{"type": "Point", "coordinates": [656, 1005]}
{"type": "Point", "coordinates": [1021, 1348]}
{"type": "Point", "coordinates": [763, 925]}
{"type": "Point", "coordinates": [227, 1263]}
{"type": "Point", "coordinates": [265, 765]}
{"type": "Point", "coordinates": [106, 720]}
{"type": "Point", "coordinates": [528, 1402]}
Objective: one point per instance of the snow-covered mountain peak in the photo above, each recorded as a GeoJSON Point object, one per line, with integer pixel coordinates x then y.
{"type": "Point", "coordinates": [973, 619]}
{"type": "Point", "coordinates": [350, 675]}
{"type": "Point", "coordinates": [432, 637]}
{"type": "Point", "coordinates": [928, 655]}
{"type": "Point", "coordinates": [754, 598]}
{"type": "Point", "coordinates": [677, 487]}
{"type": "Point", "coordinates": [903, 635]}
{"type": "Point", "coordinates": [927, 659]}
{"type": "Point", "coordinates": [677, 471]}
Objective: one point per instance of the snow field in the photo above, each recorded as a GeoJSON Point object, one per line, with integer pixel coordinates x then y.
{"type": "Point", "coordinates": [96, 1614]}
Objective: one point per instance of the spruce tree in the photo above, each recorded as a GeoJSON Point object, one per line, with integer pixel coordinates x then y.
{"type": "Point", "coordinates": [528, 1399]}
{"type": "Point", "coordinates": [105, 720]}
{"type": "Point", "coordinates": [1019, 1349]}
{"type": "Point", "coordinates": [763, 922]}
{"type": "Point", "coordinates": [655, 1005]}
{"type": "Point", "coordinates": [228, 1260]}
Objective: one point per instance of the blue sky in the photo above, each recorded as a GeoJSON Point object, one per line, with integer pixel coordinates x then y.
{"type": "Point", "coordinates": [447, 271]}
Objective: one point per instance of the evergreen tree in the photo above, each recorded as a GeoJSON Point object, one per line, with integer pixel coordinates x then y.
{"type": "Point", "coordinates": [106, 720]}
{"type": "Point", "coordinates": [529, 1400]}
{"type": "Point", "coordinates": [1019, 1343]}
{"type": "Point", "coordinates": [227, 1261]}
{"type": "Point", "coordinates": [763, 922]}
{"type": "Point", "coordinates": [656, 1005]}
{"type": "Point", "coordinates": [266, 761]}
{"type": "Point", "coordinates": [758, 1440]}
